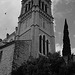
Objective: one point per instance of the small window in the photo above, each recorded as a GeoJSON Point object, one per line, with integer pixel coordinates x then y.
{"type": "Point", "coordinates": [26, 8]}
{"type": "Point", "coordinates": [28, 5]}
{"type": "Point", "coordinates": [32, 2]}
{"type": "Point", "coordinates": [46, 8]}
{"type": "Point", "coordinates": [0, 55]}
{"type": "Point", "coordinates": [42, 5]}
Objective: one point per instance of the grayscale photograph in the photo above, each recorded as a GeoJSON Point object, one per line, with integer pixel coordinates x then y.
{"type": "Point", "coordinates": [37, 37]}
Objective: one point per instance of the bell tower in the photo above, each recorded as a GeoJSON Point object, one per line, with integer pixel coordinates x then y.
{"type": "Point", "coordinates": [36, 20]}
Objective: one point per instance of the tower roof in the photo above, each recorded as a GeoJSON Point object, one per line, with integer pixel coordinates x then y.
{"type": "Point", "coordinates": [45, 0]}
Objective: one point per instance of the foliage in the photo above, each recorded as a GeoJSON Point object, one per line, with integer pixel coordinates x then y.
{"type": "Point", "coordinates": [53, 64]}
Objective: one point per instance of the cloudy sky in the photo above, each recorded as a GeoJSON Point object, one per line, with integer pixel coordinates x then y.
{"type": "Point", "coordinates": [61, 9]}
{"type": "Point", "coordinates": [64, 9]}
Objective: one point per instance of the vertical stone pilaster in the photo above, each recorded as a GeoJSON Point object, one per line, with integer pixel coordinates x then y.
{"type": "Point", "coordinates": [36, 39]}
{"type": "Point", "coordinates": [36, 42]}
{"type": "Point", "coordinates": [33, 31]}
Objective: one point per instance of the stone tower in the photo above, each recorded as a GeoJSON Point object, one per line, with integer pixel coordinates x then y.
{"type": "Point", "coordinates": [36, 19]}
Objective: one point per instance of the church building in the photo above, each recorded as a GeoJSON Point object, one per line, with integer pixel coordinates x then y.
{"type": "Point", "coordinates": [34, 36]}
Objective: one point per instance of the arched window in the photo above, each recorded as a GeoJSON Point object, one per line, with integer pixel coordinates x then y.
{"type": "Point", "coordinates": [40, 44]}
{"type": "Point", "coordinates": [1, 55]}
{"type": "Point", "coordinates": [46, 8]}
{"type": "Point", "coordinates": [32, 2]}
{"type": "Point", "coordinates": [28, 5]}
{"type": "Point", "coordinates": [43, 6]}
{"type": "Point", "coordinates": [26, 8]}
{"type": "Point", "coordinates": [44, 44]}
{"type": "Point", "coordinates": [40, 3]}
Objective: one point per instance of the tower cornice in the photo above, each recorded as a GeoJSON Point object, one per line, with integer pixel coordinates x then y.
{"type": "Point", "coordinates": [23, 1]}
{"type": "Point", "coordinates": [40, 11]}
{"type": "Point", "coordinates": [48, 0]}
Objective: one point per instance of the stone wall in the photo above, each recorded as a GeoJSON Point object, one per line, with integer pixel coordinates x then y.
{"type": "Point", "coordinates": [6, 60]}
{"type": "Point", "coordinates": [26, 35]}
{"type": "Point", "coordinates": [21, 52]}
{"type": "Point", "coordinates": [13, 55]}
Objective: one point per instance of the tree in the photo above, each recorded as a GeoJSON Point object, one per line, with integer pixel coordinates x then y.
{"type": "Point", "coordinates": [54, 64]}
{"type": "Point", "coordinates": [66, 41]}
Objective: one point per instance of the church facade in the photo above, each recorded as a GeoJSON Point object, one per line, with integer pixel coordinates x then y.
{"type": "Point", "coordinates": [33, 36]}
{"type": "Point", "coordinates": [36, 20]}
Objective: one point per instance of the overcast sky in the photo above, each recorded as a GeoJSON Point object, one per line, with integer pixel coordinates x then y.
{"type": "Point", "coordinates": [8, 21]}
{"type": "Point", "coordinates": [10, 10]}
{"type": "Point", "coordinates": [64, 9]}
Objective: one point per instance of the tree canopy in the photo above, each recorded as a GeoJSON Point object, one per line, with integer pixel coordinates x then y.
{"type": "Point", "coordinates": [53, 64]}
